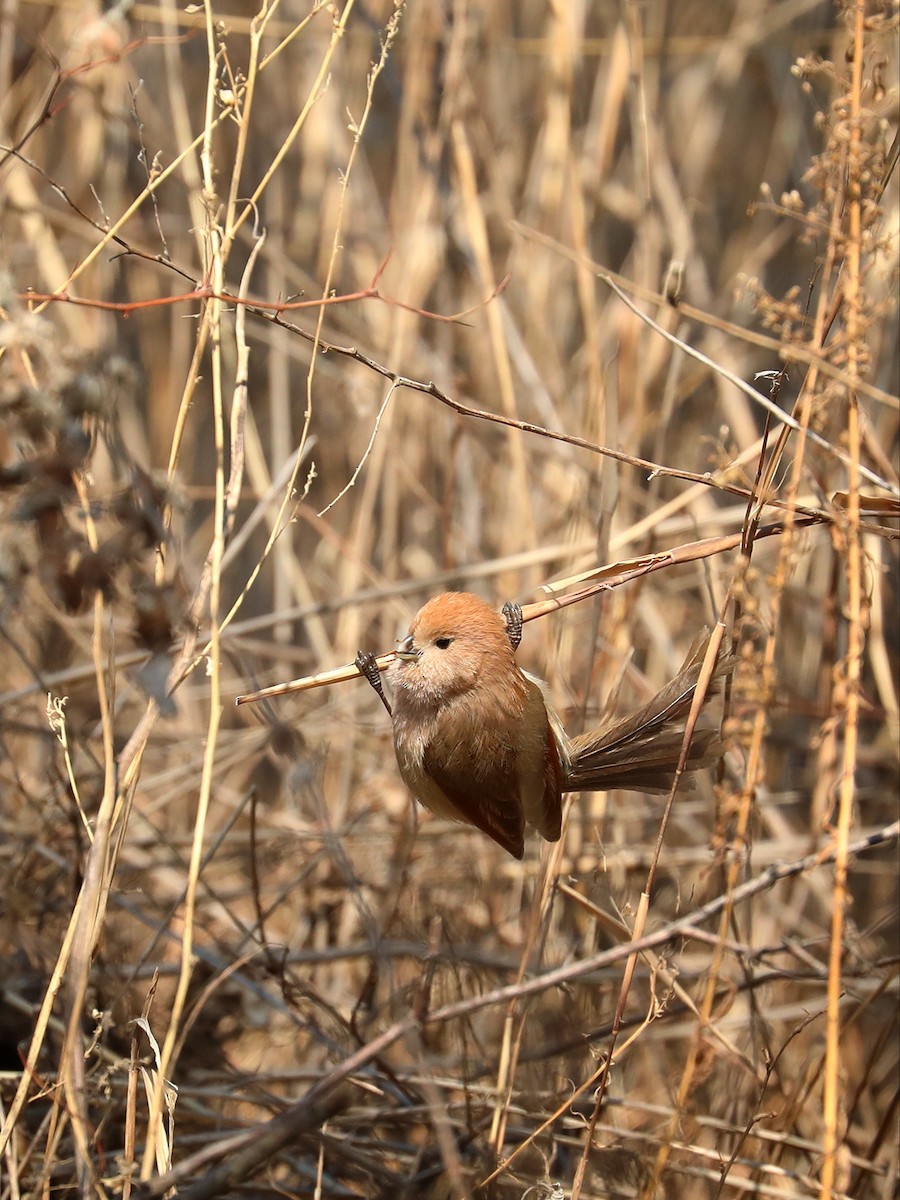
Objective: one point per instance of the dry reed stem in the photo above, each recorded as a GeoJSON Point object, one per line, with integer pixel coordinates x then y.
{"type": "Point", "coordinates": [832, 1134]}
{"type": "Point", "coordinates": [699, 698]}
{"type": "Point", "coordinates": [611, 576]}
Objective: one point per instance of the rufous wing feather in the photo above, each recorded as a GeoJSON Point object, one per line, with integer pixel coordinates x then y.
{"type": "Point", "coordinates": [489, 802]}
{"type": "Point", "coordinates": [549, 822]}
{"type": "Point", "coordinates": [540, 769]}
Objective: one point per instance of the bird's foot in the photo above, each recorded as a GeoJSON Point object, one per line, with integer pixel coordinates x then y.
{"type": "Point", "coordinates": [513, 614]}
{"type": "Point", "coordinates": [368, 667]}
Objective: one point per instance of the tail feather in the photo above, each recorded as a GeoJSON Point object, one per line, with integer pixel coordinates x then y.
{"type": "Point", "coordinates": [641, 751]}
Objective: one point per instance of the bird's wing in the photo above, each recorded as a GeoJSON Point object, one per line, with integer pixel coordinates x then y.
{"type": "Point", "coordinates": [541, 771]}
{"type": "Point", "coordinates": [489, 801]}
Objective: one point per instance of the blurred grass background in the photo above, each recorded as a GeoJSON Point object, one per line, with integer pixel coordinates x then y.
{"type": "Point", "coordinates": [254, 881]}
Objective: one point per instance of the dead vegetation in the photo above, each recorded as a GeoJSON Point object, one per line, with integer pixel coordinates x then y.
{"type": "Point", "coordinates": [310, 311]}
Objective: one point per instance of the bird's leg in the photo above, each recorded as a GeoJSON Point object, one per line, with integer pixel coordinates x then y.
{"type": "Point", "coordinates": [513, 614]}
{"type": "Point", "coordinates": [368, 668]}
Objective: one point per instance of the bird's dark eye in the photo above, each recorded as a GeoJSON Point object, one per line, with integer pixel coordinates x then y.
{"type": "Point", "coordinates": [442, 642]}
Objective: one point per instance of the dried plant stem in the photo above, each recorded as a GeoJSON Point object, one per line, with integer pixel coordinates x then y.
{"type": "Point", "coordinates": [703, 682]}
{"type": "Point", "coordinates": [524, 525]}
{"type": "Point", "coordinates": [610, 577]}
{"type": "Point", "coordinates": [736, 864]}
{"type": "Point", "coordinates": [430, 388]}
{"type": "Point", "coordinates": [86, 923]}
{"type": "Point", "coordinates": [338, 29]}
{"type": "Point", "coordinates": [41, 1023]}
{"type": "Point", "coordinates": [284, 1127]}
{"type": "Point", "coordinates": [212, 322]}
{"type": "Point", "coordinates": [538, 914]}
{"type": "Point", "coordinates": [832, 1132]}
{"type": "Point", "coordinates": [786, 352]}
{"type": "Point", "coordinates": [773, 411]}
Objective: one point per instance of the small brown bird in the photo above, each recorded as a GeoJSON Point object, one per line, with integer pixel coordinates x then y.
{"type": "Point", "coordinates": [477, 740]}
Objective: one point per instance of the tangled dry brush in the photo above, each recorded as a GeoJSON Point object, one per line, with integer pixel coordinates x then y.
{"type": "Point", "coordinates": [310, 311]}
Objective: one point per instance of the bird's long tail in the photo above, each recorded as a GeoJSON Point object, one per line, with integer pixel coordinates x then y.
{"type": "Point", "coordinates": [640, 751]}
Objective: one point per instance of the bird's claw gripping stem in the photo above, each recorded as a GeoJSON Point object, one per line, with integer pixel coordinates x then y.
{"type": "Point", "coordinates": [368, 668]}
{"type": "Point", "coordinates": [513, 614]}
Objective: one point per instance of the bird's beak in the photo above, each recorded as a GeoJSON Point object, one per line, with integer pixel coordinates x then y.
{"type": "Point", "coordinates": [406, 651]}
